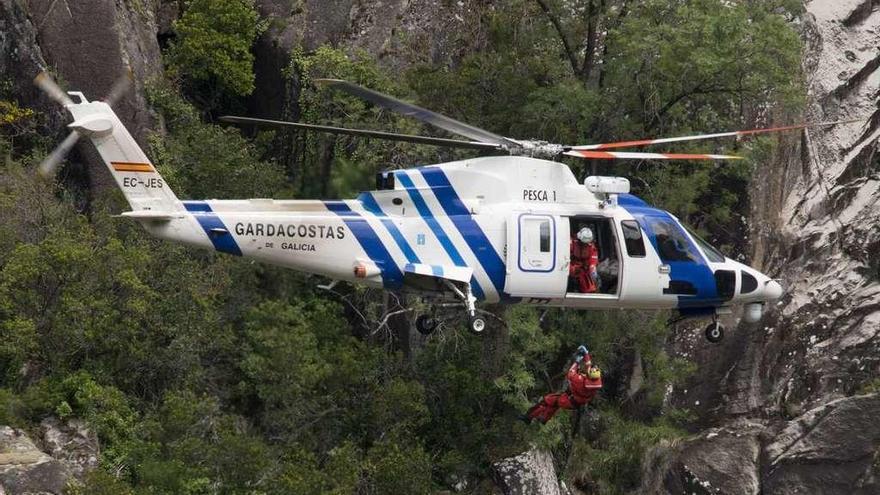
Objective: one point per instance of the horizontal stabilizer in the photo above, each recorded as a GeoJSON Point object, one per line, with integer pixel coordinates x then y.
{"type": "Point", "coordinates": [159, 216]}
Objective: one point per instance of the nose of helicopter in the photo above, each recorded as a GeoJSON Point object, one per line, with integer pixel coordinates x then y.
{"type": "Point", "coordinates": [772, 290]}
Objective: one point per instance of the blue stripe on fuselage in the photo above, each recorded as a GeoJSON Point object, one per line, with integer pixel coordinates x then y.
{"type": "Point", "coordinates": [469, 229]}
{"type": "Point", "coordinates": [698, 273]}
{"type": "Point", "coordinates": [217, 232]}
{"type": "Point", "coordinates": [373, 207]}
{"type": "Point", "coordinates": [392, 278]}
{"type": "Point", "coordinates": [436, 228]}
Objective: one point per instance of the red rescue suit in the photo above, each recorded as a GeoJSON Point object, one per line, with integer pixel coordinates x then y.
{"type": "Point", "coordinates": [581, 390]}
{"type": "Point", "coordinates": [584, 260]}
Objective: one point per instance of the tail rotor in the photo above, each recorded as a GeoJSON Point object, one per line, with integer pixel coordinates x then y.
{"type": "Point", "coordinates": [45, 82]}
{"type": "Point", "coordinates": [49, 166]}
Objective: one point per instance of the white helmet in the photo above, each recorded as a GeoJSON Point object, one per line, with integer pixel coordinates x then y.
{"type": "Point", "coordinates": [585, 235]}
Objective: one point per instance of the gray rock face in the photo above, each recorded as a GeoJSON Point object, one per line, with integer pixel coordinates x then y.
{"type": "Point", "coordinates": [815, 211]}
{"type": "Point", "coordinates": [530, 473]}
{"type": "Point", "coordinates": [24, 469]}
{"type": "Point", "coordinates": [399, 33]}
{"type": "Point", "coordinates": [91, 43]}
{"type": "Point", "coordinates": [721, 460]}
{"type": "Point", "coordinates": [823, 341]}
{"type": "Point", "coordinates": [831, 449]}
{"type": "Point", "coordinates": [71, 442]}
{"type": "Point", "coordinates": [835, 446]}
{"type": "Point", "coordinates": [795, 376]}
{"type": "Point", "coordinates": [21, 58]}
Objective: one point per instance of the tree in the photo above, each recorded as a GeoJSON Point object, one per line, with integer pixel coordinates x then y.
{"type": "Point", "coordinates": [213, 45]}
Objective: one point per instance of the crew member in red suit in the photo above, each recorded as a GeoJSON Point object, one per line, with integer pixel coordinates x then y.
{"type": "Point", "coordinates": [584, 381]}
{"type": "Point", "coordinates": [584, 260]}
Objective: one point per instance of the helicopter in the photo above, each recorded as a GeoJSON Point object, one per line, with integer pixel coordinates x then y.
{"type": "Point", "coordinates": [489, 229]}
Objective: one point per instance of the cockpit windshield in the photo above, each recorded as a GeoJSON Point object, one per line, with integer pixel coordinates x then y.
{"type": "Point", "coordinates": [713, 254]}
{"type": "Point", "coordinates": [672, 243]}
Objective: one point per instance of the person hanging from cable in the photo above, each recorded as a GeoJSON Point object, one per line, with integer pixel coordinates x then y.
{"type": "Point", "coordinates": [584, 260]}
{"type": "Point", "coordinates": [584, 380]}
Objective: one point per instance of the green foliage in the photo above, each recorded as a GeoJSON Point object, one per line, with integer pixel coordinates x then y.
{"type": "Point", "coordinates": [340, 166]}
{"type": "Point", "coordinates": [17, 124]}
{"type": "Point", "coordinates": [12, 114]}
{"type": "Point", "coordinates": [213, 44]}
{"type": "Point", "coordinates": [687, 66]}
{"type": "Point", "coordinates": [398, 468]}
{"type": "Point", "coordinates": [11, 409]}
{"type": "Point", "coordinates": [612, 463]}
{"type": "Point", "coordinates": [204, 160]}
{"type": "Point", "coordinates": [665, 68]}
{"type": "Point", "coordinates": [870, 387]}
{"type": "Point", "coordinates": [98, 482]}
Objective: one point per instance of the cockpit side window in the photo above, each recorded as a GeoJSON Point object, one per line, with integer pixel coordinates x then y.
{"type": "Point", "coordinates": [672, 243]}
{"type": "Point", "coordinates": [632, 236]}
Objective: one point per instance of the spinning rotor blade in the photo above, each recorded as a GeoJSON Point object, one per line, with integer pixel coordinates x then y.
{"type": "Point", "coordinates": [50, 163]}
{"type": "Point", "coordinates": [419, 113]}
{"type": "Point", "coordinates": [45, 82]}
{"type": "Point", "coordinates": [614, 155]}
{"type": "Point", "coordinates": [391, 136]}
{"type": "Point", "coordinates": [645, 142]}
{"type": "Point", "coordinates": [119, 88]}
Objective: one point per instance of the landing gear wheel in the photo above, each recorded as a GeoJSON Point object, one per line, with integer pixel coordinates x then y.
{"type": "Point", "coordinates": [477, 324]}
{"type": "Point", "coordinates": [426, 324]}
{"type": "Point", "coordinates": [714, 332]}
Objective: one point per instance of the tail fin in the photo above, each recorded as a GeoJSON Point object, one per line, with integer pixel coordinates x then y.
{"type": "Point", "coordinates": [139, 180]}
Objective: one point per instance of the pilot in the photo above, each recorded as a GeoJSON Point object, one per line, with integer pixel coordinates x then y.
{"type": "Point", "coordinates": [584, 381]}
{"type": "Point", "coordinates": [584, 260]}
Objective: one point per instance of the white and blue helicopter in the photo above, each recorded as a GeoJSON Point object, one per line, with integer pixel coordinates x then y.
{"type": "Point", "coordinates": [488, 229]}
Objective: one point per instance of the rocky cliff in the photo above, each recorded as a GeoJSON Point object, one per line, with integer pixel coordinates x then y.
{"type": "Point", "coordinates": [69, 450]}
{"type": "Point", "coordinates": [784, 400]}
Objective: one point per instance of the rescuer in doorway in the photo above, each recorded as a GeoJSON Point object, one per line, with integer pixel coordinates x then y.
{"type": "Point", "coordinates": [584, 381]}
{"type": "Point", "coordinates": [584, 260]}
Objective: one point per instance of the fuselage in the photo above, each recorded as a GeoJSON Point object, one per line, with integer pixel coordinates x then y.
{"type": "Point", "coordinates": [503, 223]}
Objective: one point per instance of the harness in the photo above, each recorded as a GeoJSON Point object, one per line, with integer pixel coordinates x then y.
{"type": "Point", "coordinates": [574, 399]}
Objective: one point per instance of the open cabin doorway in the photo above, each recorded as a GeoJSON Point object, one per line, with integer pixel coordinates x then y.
{"type": "Point", "coordinates": [595, 269]}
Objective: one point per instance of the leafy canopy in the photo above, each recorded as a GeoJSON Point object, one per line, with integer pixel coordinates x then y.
{"type": "Point", "coordinates": [213, 44]}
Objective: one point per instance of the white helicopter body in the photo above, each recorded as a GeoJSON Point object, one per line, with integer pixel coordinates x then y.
{"type": "Point", "coordinates": [490, 229]}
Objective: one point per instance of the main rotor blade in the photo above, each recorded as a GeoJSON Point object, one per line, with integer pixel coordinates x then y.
{"type": "Point", "coordinates": [645, 142]}
{"type": "Point", "coordinates": [45, 82]}
{"type": "Point", "coordinates": [50, 163]}
{"type": "Point", "coordinates": [416, 112]}
{"type": "Point", "coordinates": [391, 136]}
{"type": "Point", "coordinates": [614, 155]}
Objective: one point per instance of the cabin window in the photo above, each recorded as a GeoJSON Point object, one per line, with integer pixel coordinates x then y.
{"type": "Point", "coordinates": [632, 237]}
{"type": "Point", "coordinates": [385, 181]}
{"type": "Point", "coordinates": [672, 244]}
{"type": "Point", "coordinates": [537, 243]}
{"type": "Point", "coordinates": [545, 236]}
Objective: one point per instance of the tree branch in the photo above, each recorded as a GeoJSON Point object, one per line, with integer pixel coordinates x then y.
{"type": "Point", "coordinates": [569, 52]}
{"type": "Point", "coordinates": [589, 55]}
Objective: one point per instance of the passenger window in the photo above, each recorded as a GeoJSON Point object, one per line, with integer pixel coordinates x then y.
{"type": "Point", "coordinates": [632, 236]}
{"type": "Point", "coordinates": [545, 236]}
{"type": "Point", "coordinates": [671, 241]}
